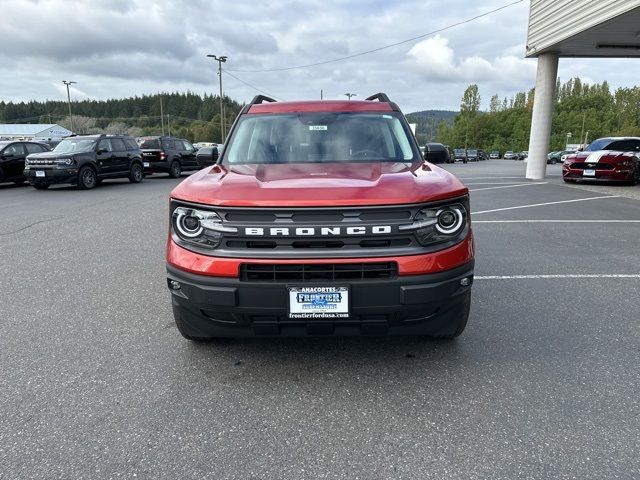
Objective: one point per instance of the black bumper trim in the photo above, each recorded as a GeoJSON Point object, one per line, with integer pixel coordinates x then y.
{"type": "Point", "coordinates": [431, 304]}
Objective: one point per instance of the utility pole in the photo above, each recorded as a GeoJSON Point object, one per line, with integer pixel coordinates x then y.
{"type": "Point", "coordinates": [161, 116]}
{"type": "Point", "coordinates": [169, 123]}
{"type": "Point", "coordinates": [69, 102]}
{"type": "Point", "coordinates": [320, 94]}
{"type": "Point", "coordinates": [220, 59]}
{"type": "Point", "coordinates": [349, 95]}
{"type": "Point", "coordinates": [584, 115]}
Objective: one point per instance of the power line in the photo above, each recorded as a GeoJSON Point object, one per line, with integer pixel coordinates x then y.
{"type": "Point", "coordinates": [448, 27]}
{"type": "Point", "coordinates": [249, 85]}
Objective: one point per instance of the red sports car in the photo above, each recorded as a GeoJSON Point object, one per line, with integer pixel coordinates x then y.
{"type": "Point", "coordinates": [611, 159]}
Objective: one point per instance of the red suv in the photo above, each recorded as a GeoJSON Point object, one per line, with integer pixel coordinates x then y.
{"type": "Point", "coordinates": [320, 218]}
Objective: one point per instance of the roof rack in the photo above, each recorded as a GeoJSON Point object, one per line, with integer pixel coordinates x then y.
{"type": "Point", "coordinates": [381, 97]}
{"type": "Point", "coordinates": [260, 99]}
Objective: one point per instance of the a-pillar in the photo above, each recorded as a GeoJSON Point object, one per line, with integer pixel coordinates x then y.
{"type": "Point", "coordinates": [542, 113]}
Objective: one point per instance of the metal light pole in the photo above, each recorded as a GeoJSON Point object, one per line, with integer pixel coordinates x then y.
{"type": "Point", "coordinates": [349, 95]}
{"type": "Point", "coordinates": [221, 59]}
{"type": "Point", "coordinates": [69, 101]}
{"type": "Point", "coordinates": [566, 146]}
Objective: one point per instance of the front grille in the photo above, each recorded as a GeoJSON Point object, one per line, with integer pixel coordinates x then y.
{"type": "Point", "coordinates": [591, 166]}
{"type": "Point", "coordinates": [312, 272]}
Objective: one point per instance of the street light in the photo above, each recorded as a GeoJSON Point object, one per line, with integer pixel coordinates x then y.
{"type": "Point", "coordinates": [349, 95]}
{"type": "Point", "coordinates": [69, 101]}
{"type": "Point", "coordinates": [221, 59]}
{"type": "Point", "coordinates": [566, 147]}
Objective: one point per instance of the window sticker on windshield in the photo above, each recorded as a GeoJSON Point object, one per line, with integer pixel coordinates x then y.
{"type": "Point", "coordinates": [317, 127]}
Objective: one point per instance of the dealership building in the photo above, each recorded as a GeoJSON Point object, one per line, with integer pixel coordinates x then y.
{"type": "Point", "coordinates": [572, 28]}
{"type": "Point", "coordinates": [33, 131]}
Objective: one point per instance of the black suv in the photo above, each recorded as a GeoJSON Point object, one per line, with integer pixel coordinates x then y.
{"type": "Point", "coordinates": [168, 154]}
{"type": "Point", "coordinates": [12, 157]}
{"type": "Point", "coordinates": [86, 160]}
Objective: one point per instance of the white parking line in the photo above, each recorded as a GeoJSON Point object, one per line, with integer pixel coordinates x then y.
{"type": "Point", "coordinates": [507, 186]}
{"type": "Point", "coordinates": [491, 183]}
{"type": "Point", "coordinates": [535, 277]}
{"type": "Point", "coordinates": [555, 221]}
{"type": "Point", "coordinates": [543, 204]}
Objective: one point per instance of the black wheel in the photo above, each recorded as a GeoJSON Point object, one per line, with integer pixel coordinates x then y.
{"type": "Point", "coordinates": [464, 161]}
{"type": "Point", "coordinates": [636, 176]}
{"type": "Point", "coordinates": [87, 178]}
{"type": "Point", "coordinates": [40, 186]}
{"type": "Point", "coordinates": [461, 311]}
{"type": "Point", "coordinates": [175, 170]}
{"type": "Point", "coordinates": [553, 161]}
{"type": "Point", "coordinates": [184, 330]}
{"type": "Point", "coordinates": [136, 174]}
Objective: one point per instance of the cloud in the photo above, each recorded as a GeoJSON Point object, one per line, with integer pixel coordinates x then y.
{"type": "Point", "coordinates": [435, 60]}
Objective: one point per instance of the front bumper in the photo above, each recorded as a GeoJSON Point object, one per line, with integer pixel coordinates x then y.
{"type": "Point", "coordinates": [430, 304]}
{"type": "Point", "coordinates": [613, 175]}
{"type": "Point", "coordinates": [52, 175]}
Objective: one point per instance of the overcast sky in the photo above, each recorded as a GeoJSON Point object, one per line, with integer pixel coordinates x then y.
{"type": "Point", "coordinates": [119, 48]}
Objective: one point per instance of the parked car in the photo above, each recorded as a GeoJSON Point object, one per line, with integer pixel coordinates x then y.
{"type": "Point", "coordinates": [207, 156]}
{"type": "Point", "coordinates": [320, 220]}
{"type": "Point", "coordinates": [494, 154]}
{"type": "Point", "coordinates": [12, 158]}
{"type": "Point", "coordinates": [85, 161]}
{"type": "Point", "coordinates": [472, 155]}
{"type": "Point", "coordinates": [168, 155]}
{"type": "Point", "coordinates": [522, 155]}
{"type": "Point", "coordinates": [556, 157]}
{"type": "Point", "coordinates": [610, 159]}
{"type": "Point", "coordinates": [509, 155]}
{"type": "Point", "coordinates": [436, 153]}
{"type": "Point", "coordinates": [482, 155]}
{"type": "Point", "coordinates": [460, 154]}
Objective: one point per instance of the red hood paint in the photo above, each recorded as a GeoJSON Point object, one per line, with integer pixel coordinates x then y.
{"type": "Point", "coordinates": [603, 156]}
{"type": "Point", "coordinates": [319, 185]}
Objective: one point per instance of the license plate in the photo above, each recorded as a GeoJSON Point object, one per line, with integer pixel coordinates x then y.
{"type": "Point", "coordinates": [588, 173]}
{"type": "Point", "coordinates": [146, 164]}
{"type": "Point", "coordinates": [39, 173]}
{"type": "Point", "coordinates": [318, 302]}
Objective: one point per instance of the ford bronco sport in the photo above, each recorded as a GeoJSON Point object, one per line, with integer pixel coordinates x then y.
{"type": "Point", "coordinates": [320, 218]}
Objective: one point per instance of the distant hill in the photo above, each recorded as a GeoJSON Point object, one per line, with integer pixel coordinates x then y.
{"type": "Point", "coordinates": [427, 122]}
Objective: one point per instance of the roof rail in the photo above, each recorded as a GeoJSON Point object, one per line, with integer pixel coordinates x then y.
{"type": "Point", "coordinates": [260, 99]}
{"type": "Point", "coordinates": [381, 97]}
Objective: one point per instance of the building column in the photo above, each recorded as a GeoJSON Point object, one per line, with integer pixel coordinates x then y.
{"type": "Point", "coordinates": [542, 113]}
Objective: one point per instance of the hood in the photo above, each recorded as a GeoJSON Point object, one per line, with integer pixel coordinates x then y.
{"type": "Point", "coordinates": [52, 155]}
{"type": "Point", "coordinates": [319, 185]}
{"type": "Point", "coordinates": [609, 156]}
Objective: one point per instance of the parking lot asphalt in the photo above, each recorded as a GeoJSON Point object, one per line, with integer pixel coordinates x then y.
{"type": "Point", "coordinates": [97, 383]}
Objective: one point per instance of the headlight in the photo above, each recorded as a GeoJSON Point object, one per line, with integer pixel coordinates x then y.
{"type": "Point", "coordinates": [439, 224]}
{"type": "Point", "coordinates": [64, 161]}
{"type": "Point", "coordinates": [199, 227]}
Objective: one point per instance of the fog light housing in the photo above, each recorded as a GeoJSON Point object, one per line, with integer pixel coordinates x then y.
{"type": "Point", "coordinates": [174, 284]}
{"type": "Point", "coordinates": [465, 282]}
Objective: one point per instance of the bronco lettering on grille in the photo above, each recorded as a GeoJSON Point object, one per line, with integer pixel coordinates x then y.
{"type": "Point", "coordinates": [316, 231]}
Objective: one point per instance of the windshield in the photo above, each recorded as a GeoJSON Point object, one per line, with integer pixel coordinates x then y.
{"type": "Point", "coordinates": [600, 144]}
{"type": "Point", "coordinates": [320, 137]}
{"type": "Point", "coordinates": [472, 152]}
{"type": "Point", "coordinates": [75, 145]}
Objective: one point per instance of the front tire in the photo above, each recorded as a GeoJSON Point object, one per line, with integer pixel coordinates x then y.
{"type": "Point", "coordinates": [87, 178]}
{"type": "Point", "coordinates": [136, 174]}
{"type": "Point", "coordinates": [175, 170]}
{"type": "Point", "coordinates": [183, 328]}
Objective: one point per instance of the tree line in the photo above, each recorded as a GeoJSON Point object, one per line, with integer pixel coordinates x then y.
{"type": "Point", "coordinates": [587, 111]}
{"type": "Point", "coordinates": [187, 115]}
